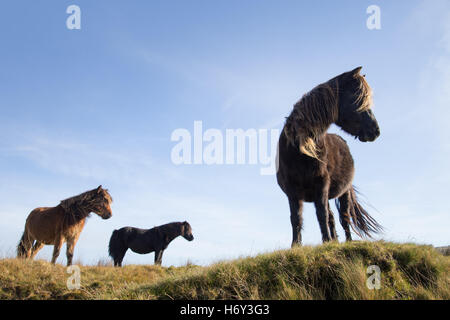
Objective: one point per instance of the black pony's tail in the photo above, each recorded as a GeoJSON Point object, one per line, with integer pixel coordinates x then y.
{"type": "Point", "coordinates": [363, 224]}
{"type": "Point", "coordinates": [114, 244]}
{"type": "Point", "coordinates": [21, 247]}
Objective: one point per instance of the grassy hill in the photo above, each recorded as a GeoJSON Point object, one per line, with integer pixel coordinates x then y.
{"type": "Point", "coordinates": [330, 271]}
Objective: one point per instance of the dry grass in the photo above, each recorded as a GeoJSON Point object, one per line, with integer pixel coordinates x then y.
{"type": "Point", "coordinates": [331, 271]}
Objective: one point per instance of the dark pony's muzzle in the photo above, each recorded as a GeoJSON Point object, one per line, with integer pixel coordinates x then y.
{"type": "Point", "coordinates": [369, 135]}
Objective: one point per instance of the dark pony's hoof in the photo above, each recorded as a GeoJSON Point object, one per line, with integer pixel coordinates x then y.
{"type": "Point", "coordinates": [296, 245]}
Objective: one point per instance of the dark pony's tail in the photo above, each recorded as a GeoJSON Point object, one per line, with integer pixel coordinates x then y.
{"type": "Point", "coordinates": [21, 247]}
{"type": "Point", "coordinates": [114, 244]}
{"type": "Point", "coordinates": [361, 222]}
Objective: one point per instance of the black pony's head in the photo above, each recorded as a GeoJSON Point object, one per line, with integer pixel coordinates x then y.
{"type": "Point", "coordinates": [186, 231]}
{"type": "Point", "coordinates": [354, 113]}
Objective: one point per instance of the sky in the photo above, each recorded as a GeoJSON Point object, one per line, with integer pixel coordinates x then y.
{"type": "Point", "coordinates": [98, 106]}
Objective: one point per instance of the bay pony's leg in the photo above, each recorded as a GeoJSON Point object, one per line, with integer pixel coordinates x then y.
{"type": "Point", "coordinates": [57, 247]}
{"type": "Point", "coordinates": [36, 247]}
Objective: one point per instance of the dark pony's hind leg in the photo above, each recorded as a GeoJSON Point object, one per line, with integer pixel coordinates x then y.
{"type": "Point", "coordinates": [118, 258]}
{"type": "Point", "coordinates": [296, 207]}
{"type": "Point", "coordinates": [331, 223]}
{"type": "Point", "coordinates": [344, 208]}
{"type": "Point", "coordinates": [321, 205]}
{"type": "Point", "coordinates": [158, 256]}
{"type": "Point", "coordinates": [118, 246]}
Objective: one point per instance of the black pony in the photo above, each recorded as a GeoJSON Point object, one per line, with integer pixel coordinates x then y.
{"type": "Point", "coordinates": [144, 241]}
{"type": "Point", "coordinates": [314, 166]}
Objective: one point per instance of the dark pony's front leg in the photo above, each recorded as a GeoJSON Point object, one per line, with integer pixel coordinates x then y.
{"type": "Point", "coordinates": [296, 207]}
{"type": "Point", "coordinates": [158, 256]}
{"type": "Point", "coordinates": [322, 206]}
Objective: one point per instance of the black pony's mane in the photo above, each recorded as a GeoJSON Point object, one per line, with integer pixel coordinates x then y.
{"type": "Point", "coordinates": [169, 227]}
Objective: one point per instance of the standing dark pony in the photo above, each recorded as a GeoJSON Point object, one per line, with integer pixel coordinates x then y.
{"type": "Point", "coordinates": [144, 241]}
{"type": "Point", "coordinates": [315, 166]}
{"type": "Point", "coordinates": [62, 223]}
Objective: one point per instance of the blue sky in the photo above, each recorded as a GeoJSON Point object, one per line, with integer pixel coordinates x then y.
{"type": "Point", "coordinates": [98, 105]}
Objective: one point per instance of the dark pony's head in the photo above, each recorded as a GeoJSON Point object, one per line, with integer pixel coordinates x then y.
{"type": "Point", "coordinates": [344, 100]}
{"type": "Point", "coordinates": [186, 231]}
{"type": "Point", "coordinates": [355, 99]}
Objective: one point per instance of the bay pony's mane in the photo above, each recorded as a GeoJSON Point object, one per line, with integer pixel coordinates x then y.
{"type": "Point", "coordinates": [79, 207]}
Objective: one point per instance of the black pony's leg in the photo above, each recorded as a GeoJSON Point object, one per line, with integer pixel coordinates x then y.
{"type": "Point", "coordinates": [331, 223]}
{"type": "Point", "coordinates": [296, 207]}
{"type": "Point", "coordinates": [344, 214]}
{"type": "Point", "coordinates": [119, 257]}
{"type": "Point", "coordinates": [321, 205]}
{"type": "Point", "coordinates": [158, 256]}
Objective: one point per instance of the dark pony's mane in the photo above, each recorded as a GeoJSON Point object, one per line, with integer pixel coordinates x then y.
{"type": "Point", "coordinates": [317, 110]}
{"type": "Point", "coordinates": [171, 228]}
{"type": "Point", "coordinates": [80, 207]}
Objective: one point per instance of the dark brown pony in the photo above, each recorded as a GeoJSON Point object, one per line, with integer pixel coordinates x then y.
{"type": "Point", "coordinates": [63, 223]}
{"type": "Point", "coordinates": [144, 241]}
{"type": "Point", "coordinates": [314, 166]}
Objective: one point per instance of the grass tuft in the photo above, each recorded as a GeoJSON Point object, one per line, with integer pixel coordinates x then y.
{"type": "Point", "coordinates": [329, 271]}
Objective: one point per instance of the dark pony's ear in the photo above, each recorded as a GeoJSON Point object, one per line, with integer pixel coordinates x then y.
{"type": "Point", "coordinates": [99, 188]}
{"type": "Point", "coordinates": [356, 71]}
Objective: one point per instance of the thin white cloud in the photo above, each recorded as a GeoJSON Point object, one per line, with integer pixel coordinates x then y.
{"type": "Point", "coordinates": [82, 160]}
{"type": "Point", "coordinates": [266, 89]}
